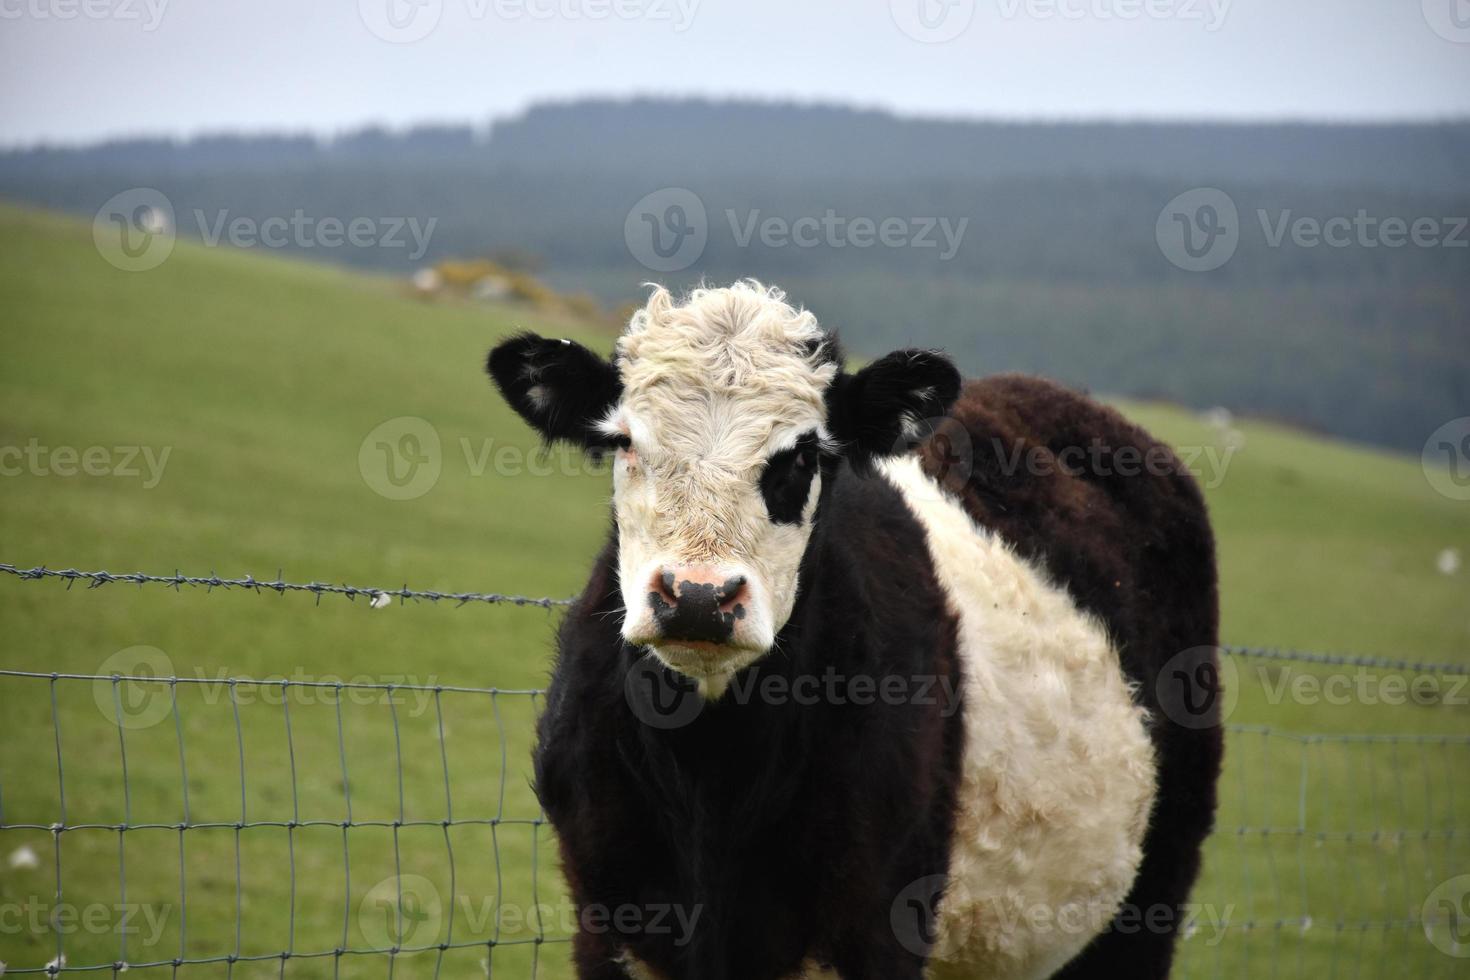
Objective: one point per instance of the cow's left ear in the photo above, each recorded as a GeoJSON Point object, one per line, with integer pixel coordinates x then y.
{"type": "Point", "coordinates": [561, 388]}
{"type": "Point", "coordinates": [880, 409]}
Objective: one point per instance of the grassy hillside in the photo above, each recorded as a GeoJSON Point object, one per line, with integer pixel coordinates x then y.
{"type": "Point", "coordinates": [1033, 268]}
{"type": "Point", "coordinates": [267, 382]}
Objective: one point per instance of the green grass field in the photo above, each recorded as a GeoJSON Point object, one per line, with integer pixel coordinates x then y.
{"type": "Point", "coordinates": [267, 382]}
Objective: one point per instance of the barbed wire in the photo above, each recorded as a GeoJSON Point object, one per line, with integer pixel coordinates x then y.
{"type": "Point", "coordinates": [95, 580]}
{"type": "Point", "coordinates": [1346, 660]}
{"type": "Point", "coordinates": [176, 581]}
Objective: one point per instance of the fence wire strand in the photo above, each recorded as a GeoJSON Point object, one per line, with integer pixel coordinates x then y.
{"type": "Point", "coordinates": [178, 581]}
{"type": "Point", "coordinates": [1325, 847]}
{"type": "Point", "coordinates": [210, 582]}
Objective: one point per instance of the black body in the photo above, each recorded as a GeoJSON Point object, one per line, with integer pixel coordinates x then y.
{"type": "Point", "coordinates": [794, 827]}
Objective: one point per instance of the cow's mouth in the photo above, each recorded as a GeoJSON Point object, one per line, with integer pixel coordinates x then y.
{"type": "Point", "coordinates": [702, 659]}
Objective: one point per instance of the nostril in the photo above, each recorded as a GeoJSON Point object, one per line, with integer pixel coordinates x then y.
{"type": "Point", "coordinates": [663, 585]}
{"type": "Point", "coordinates": [733, 593]}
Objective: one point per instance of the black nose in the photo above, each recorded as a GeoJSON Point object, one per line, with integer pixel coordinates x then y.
{"type": "Point", "coordinates": [692, 604]}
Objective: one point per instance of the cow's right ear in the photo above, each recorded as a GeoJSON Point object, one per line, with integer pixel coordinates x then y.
{"type": "Point", "coordinates": [561, 388]}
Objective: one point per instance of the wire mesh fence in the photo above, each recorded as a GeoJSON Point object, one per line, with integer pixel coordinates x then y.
{"type": "Point", "coordinates": [1335, 856]}
{"type": "Point", "coordinates": [274, 828]}
{"type": "Point", "coordinates": [220, 826]}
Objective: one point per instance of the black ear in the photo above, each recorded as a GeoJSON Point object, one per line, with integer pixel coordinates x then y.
{"type": "Point", "coordinates": [561, 388]}
{"type": "Point", "coordinates": [881, 409]}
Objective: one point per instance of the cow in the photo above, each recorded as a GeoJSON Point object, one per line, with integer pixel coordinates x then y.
{"type": "Point", "coordinates": [873, 678]}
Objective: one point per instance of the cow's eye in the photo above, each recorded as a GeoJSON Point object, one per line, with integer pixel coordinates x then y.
{"type": "Point", "coordinates": [787, 480]}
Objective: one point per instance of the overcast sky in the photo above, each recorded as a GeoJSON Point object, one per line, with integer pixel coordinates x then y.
{"type": "Point", "coordinates": [74, 70]}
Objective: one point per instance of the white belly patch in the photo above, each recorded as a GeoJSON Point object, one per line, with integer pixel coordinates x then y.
{"type": "Point", "coordinates": [1058, 772]}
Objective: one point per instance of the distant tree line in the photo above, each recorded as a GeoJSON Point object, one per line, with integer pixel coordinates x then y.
{"type": "Point", "coordinates": [1016, 246]}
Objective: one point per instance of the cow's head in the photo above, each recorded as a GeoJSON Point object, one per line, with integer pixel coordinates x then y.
{"type": "Point", "coordinates": [726, 415]}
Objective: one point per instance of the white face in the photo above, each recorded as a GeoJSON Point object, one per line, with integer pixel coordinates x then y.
{"type": "Point", "coordinates": [690, 505]}
{"type": "Point", "coordinates": [717, 476]}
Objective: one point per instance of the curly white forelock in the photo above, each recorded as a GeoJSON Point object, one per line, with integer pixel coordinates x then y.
{"type": "Point", "coordinates": [743, 341]}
